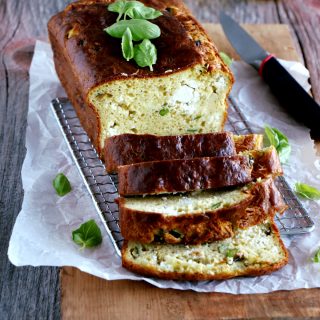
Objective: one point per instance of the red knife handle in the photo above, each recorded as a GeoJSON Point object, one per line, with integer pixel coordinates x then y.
{"type": "Point", "coordinates": [290, 94]}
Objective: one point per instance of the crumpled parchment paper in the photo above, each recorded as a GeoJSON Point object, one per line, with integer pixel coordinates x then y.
{"type": "Point", "coordinates": [42, 232]}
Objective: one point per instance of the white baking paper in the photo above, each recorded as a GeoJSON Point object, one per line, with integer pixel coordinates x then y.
{"type": "Point", "coordinates": [42, 232]}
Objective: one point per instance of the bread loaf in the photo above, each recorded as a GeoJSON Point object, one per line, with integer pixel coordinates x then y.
{"type": "Point", "coordinates": [253, 251]}
{"type": "Point", "coordinates": [127, 149]}
{"type": "Point", "coordinates": [199, 217]}
{"type": "Point", "coordinates": [167, 176]}
{"type": "Point", "coordinates": [113, 96]}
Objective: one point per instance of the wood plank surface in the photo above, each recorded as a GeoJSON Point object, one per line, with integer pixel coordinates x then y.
{"type": "Point", "coordinates": [87, 297]}
{"type": "Point", "coordinates": [93, 298]}
{"type": "Point", "coordinates": [33, 293]}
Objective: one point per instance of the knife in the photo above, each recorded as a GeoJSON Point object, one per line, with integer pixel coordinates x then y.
{"type": "Point", "coordinates": [296, 101]}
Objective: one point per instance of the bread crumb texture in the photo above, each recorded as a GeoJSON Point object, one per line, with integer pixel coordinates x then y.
{"type": "Point", "coordinates": [255, 247]}
{"type": "Point", "coordinates": [190, 101]}
{"type": "Point", "coordinates": [194, 202]}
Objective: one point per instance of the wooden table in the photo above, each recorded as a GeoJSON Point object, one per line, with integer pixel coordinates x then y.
{"type": "Point", "coordinates": [34, 293]}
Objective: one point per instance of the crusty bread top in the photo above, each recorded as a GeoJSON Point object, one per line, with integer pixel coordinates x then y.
{"type": "Point", "coordinates": [127, 149]}
{"type": "Point", "coordinates": [97, 57]}
{"type": "Point", "coordinates": [185, 175]}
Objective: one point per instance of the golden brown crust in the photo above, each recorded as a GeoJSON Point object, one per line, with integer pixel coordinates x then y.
{"type": "Point", "coordinates": [167, 176]}
{"type": "Point", "coordinates": [85, 56]}
{"type": "Point", "coordinates": [249, 271]}
{"type": "Point", "coordinates": [182, 175]}
{"type": "Point", "coordinates": [145, 227]}
{"type": "Point", "coordinates": [127, 149]}
{"type": "Point", "coordinates": [248, 142]}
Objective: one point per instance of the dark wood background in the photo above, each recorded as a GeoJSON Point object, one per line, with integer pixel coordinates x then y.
{"type": "Point", "coordinates": [34, 293]}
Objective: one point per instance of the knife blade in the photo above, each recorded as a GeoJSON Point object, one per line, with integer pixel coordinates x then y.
{"type": "Point", "coordinates": [292, 97]}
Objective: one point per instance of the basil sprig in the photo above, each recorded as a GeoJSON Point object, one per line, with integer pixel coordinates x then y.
{"type": "Point", "coordinates": [88, 235]}
{"type": "Point", "coordinates": [123, 7]}
{"type": "Point", "coordinates": [138, 28]}
{"type": "Point", "coordinates": [307, 191]}
{"type": "Point", "coordinates": [61, 184]}
{"type": "Point", "coordinates": [280, 142]}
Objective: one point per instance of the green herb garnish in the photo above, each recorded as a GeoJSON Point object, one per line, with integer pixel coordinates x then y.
{"type": "Point", "coordinates": [197, 117]}
{"type": "Point", "coordinates": [307, 191]}
{"type": "Point", "coordinates": [192, 130]}
{"type": "Point", "coordinates": [226, 59]}
{"type": "Point", "coordinates": [133, 9]}
{"type": "Point", "coordinates": [279, 141]}
{"type": "Point", "coordinates": [316, 257]}
{"type": "Point", "coordinates": [143, 12]}
{"type": "Point", "coordinates": [164, 111]}
{"type": "Point", "coordinates": [216, 205]}
{"type": "Point", "coordinates": [88, 235]}
{"type": "Point", "coordinates": [230, 253]}
{"type": "Point", "coordinates": [138, 28]}
{"type": "Point", "coordinates": [145, 54]}
{"type": "Point", "coordinates": [127, 45]}
{"type": "Point", "coordinates": [61, 184]}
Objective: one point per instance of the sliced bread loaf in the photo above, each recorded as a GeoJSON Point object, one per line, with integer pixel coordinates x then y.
{"type": "Point", "coordinates": [198, 217]}
{"type": "Point", "coordinates": [254, 251]}
{"type": "Point", "coordinates": [127, 149]}
{"type": "Point", "coordinates": [158, 177]}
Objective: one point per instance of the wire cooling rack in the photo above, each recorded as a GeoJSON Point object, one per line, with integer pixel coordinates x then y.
{"type": "Point", "coordinates": [102, 187]}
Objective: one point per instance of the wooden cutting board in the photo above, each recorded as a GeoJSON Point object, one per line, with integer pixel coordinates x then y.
{"type": "Point", "coordinates": [86, 297]}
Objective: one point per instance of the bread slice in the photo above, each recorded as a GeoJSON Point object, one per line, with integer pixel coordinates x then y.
{"type": "Point", "coordinates": [127, 149]}
{"type": "Point", "coordinates": [167, 176]}
{"type": "Point", "coordinates": [199, 217]}
{"type": "Point", "coordinates": [254, 251]}
{"type": "Point", "coordinates": [113, 96]}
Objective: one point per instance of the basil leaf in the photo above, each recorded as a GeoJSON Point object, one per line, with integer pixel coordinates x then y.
{"type": "Point", "coordinates": [140, 29]}
{"type": "Point", "coordinates": [130, 5]}
{"type": "Point", "coordinates": [145, 54]}
{"type": "Point", "coordinates": [61, 184]}
{"type": "Point", "coordinates": [164, 111]}
{"type": "Point", "coordinates": [316, 257]}
{"type": "Point", "coordinates": [272, 137]}
{"type": "Point", "coordinates": [225, 58]}
{"type": "Point", "coordinates": [279, 141]}
{"type": "Point", "coordinates": [119, 7]}
{"type": "Point", "coordinates": [127, 45]}
{"type": "Point", "coordinates": [143, 13]}
{"type": "Point", "coordinates": [88, 235]}
{"type": "Point", "coordinates": [307, 191]}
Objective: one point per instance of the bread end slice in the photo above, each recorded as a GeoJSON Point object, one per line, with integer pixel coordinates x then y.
{"type": "Point", "coordinates": [255, 251]}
